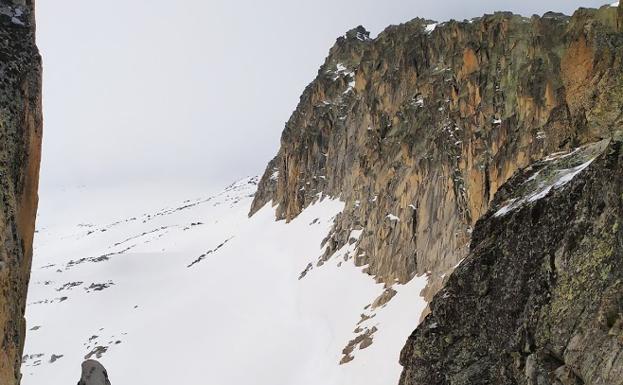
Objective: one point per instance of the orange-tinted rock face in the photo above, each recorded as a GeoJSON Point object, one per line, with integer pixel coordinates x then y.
{"type": "Point", "coordinates": [426, 126]}
{"type": "Point", "coordinates": [576, 70]}
{"type": "Point", "coordinates": [20, 154]}
{"type": "Point", "coordinates": [470, 63]}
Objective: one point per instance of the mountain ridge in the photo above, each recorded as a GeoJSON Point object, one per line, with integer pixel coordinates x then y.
{"type": "Point", "coordinates": [423, 157]}
{"type": "Point", "coordinates": [418, 128]}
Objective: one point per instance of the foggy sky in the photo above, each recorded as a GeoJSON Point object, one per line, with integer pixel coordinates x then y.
{"type": "Point", "coordinates": [196, 92]}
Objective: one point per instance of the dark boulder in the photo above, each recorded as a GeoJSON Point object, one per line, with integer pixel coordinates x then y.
{"type": "Point", "coordinates": [93, 373]}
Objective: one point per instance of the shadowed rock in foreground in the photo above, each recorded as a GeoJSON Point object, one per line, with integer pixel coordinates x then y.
{"type": "Point", "coordinates": [93, 373]}
{"type": "Point", "coordinates": [539, 299]}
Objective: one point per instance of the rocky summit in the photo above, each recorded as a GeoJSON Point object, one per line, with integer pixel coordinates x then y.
{"type": "Point", "coordinates": [20, 153]}
{"type": "Point", "coordinates": [418, 128]}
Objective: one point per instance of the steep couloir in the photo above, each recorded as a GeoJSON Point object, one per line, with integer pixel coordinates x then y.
{"type": "Point", "coordinates": [20, 152]}
{"type": "Point", "coordinates": [539, 299]}
{"type": "Point", "coordinates": [417, 129]}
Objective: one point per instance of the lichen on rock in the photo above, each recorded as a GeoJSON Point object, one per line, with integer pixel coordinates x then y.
{"type": "Point", "coordinates": [539, 298]}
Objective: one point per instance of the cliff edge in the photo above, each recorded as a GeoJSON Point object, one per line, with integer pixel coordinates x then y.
{"type": "Point", "coordinates": [417, 129]}
{"type": "Point", "coordinates": [20, 154]}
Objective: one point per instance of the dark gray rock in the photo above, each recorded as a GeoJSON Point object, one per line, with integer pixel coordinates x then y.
{"type": "Point", "coordinates": [539, 299]}
{"type": "Point", "coordinates": [93, 373]}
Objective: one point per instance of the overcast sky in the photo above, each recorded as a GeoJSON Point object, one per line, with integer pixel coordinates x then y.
{"type": "Point", "coordinates": [195, 92]}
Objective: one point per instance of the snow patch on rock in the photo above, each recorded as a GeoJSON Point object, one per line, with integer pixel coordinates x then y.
{"type": "Point", "coordinates": [553, 172]}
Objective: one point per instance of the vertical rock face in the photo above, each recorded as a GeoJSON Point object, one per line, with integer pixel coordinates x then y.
{"type": "Point", "coordinates": [417, 129]}
{"type": "Point", "coordinates": [20, 149]}
{"type": "Point", "coordinates": [539, 299]}
{"type": "Point", "coordinates": [93, 373]}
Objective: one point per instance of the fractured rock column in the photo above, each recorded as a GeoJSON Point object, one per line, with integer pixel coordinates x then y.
{"type": "Point", "coordinates": [20, 153]}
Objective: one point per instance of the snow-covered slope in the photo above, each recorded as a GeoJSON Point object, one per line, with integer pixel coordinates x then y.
{"type": "Point", "coordinates": [201, 294]}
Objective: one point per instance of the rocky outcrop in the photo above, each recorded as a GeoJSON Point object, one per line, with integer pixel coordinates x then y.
{"type": "Point", "coordinates": [417, 129]}
{"type": "Point", "coordinates": [93, 373]}
{"type": "Point", "coordinates": [20, 149]}
{"type": "Point", "coordinates": [539, 299]}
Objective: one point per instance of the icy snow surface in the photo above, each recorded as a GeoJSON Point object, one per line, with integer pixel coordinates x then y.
{"type": "Point", "coordinates": [198, 293]}
{"type": "Point", "coordinates": [558, 170]}
{"type": "Point", "coordinates": [564, 176]}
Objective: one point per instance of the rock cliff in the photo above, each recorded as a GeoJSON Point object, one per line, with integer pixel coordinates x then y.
{"type": "Point", "coordinates": [539, 299]}
{"type": "Point", "coordinates": [20, 151]}
{"type": "Point", "coordinates": [417, 129]}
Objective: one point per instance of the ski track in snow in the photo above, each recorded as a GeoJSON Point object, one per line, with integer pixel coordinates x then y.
{"type": "Point", "coordinates": [199, 293]}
